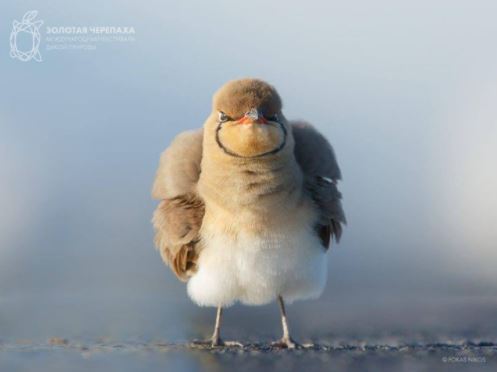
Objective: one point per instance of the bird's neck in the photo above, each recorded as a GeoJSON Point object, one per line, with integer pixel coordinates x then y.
{"type": "Point", "coordinates": [258, 186]}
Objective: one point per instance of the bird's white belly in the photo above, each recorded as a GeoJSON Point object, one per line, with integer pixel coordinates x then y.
{"type": "Point", "coordinates": [255, 268]}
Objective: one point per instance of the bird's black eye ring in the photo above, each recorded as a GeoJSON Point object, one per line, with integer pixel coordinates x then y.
{"type": "Point", "coordinates": [222, 117]}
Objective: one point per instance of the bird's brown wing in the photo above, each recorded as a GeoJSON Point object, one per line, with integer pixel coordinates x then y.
{"type": "Point", "coordinates": [178, 217]}
{"type": "Point", "coordinates": [317, 160]}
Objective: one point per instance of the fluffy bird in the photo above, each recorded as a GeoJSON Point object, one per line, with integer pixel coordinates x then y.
{"type": "Point", "coordinates": [248, 205]}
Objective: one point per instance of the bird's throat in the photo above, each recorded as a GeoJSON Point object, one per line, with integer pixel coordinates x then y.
{"type": "Point", "coordinates": [260, 185]}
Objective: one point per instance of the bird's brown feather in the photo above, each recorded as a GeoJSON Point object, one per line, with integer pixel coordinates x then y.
{"type": "Point", "coordinates": [177, 223]}
{"type": "Point", "coordinates": [179, 166]}
{"type": "Point", "coordinates": [178, 217]}
{"type": "Point", "coordinates": [321, 173]}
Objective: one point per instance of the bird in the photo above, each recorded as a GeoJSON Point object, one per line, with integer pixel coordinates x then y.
{"type": "Point", "coordinates": [248, 205]}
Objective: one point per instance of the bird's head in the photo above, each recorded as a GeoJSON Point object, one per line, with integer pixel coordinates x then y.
{"type": "Point", "coordinates": [246, 120]}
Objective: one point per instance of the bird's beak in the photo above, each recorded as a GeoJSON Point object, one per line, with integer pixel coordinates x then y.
{"type": "Point", "coordinates": [253, 117]}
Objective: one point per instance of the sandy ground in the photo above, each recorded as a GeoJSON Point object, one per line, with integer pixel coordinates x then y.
{"type": "Point", "coordinates": [367, 335]}
{"type": "Point", "coordinates": [60, 354]}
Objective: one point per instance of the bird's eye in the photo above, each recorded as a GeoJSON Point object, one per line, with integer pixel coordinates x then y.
{"type": "Point", "coordinates": [273, 118]}
{"type": "Point", "coordinates": [222, 117]}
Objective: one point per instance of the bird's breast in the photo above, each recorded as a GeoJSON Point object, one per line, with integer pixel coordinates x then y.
{"type": "Point", "coordinates": [252, 262]}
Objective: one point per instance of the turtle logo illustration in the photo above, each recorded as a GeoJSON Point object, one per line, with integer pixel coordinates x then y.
{"type": "Point", "coordinates": [30, 29]}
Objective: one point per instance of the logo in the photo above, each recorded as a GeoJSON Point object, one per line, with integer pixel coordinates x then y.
{"type": "Point", "coordinates": [26, 35]}
{"type": "Point", "coordinates": [27, 28]}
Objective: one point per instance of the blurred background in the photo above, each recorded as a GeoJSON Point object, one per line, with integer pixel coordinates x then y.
{"type": "Point", "coordinates": [405, 92]}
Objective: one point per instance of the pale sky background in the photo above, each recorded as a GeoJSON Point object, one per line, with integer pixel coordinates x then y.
{"type": "Point", "coordinates": [406, 93]}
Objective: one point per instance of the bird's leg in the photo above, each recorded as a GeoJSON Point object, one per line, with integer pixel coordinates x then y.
{"type": "Point", "coordinates": [216, 338]}
{"type": "Point", "coordinates": [285, 341]}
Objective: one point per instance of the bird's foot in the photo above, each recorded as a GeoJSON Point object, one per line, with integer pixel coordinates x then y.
{"type": "Point", "coordinates": [218, 342]}
{"type": "Point", "coordinates": [285, 343]}
{"type": "Point", "coordinates": [201, 343]}
{"type": "Point", "coordinates": [232, 344]}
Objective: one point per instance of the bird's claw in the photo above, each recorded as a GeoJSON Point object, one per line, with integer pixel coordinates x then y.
{"type": "Point", "coordinates": [285, 343]}
{"type": "Point", "coordinates": [220, 343]}
{"type": "Point", "coordinates": [215, 343]}
{"type": "Point", "coordinates": [233, 343]}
